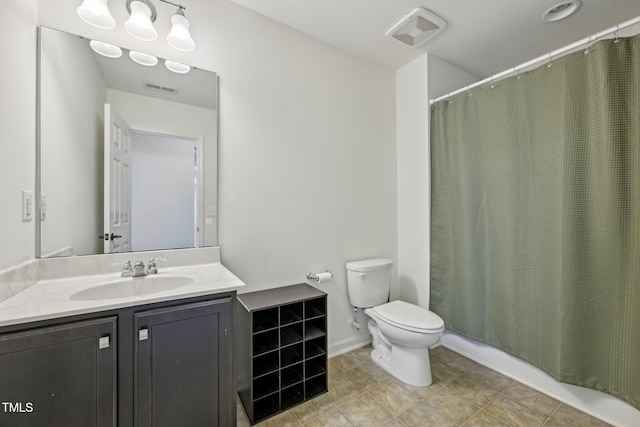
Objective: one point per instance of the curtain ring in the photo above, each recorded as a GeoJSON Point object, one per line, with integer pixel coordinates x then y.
{"type": "Point", "coordinates": [517, 74]}
{"type": "Point", "coordinates": [492, 84]}
{"type": "Point", "coordinates": [615, 33]}
{"type": "Point", "coordinates": [586, 51]}
{"type": "Point", "coordinates": [549, 63]}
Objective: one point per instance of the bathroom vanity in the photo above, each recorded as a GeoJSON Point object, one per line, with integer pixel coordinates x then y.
{"type": "Point", "coordinates": [157, 358]}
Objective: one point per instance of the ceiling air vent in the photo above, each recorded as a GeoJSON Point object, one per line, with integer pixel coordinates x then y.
{"type": "Point", "coordinates": [160, 88]}
{"type": "Point", "coordinates": [417, 27]}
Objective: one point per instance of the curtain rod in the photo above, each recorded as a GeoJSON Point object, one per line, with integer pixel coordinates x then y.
{"type": "Point", "coordinates": [547, 57]}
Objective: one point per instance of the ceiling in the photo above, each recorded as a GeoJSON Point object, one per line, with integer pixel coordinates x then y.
{"type": "Point", "coordinates": [482, 37]}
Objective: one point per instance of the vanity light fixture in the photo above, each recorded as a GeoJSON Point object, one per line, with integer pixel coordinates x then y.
{"type": "Point", "coordinates": [105, 49]}
{"type": "Point", "coordinates": [143, 58]}
{"type": "Point", "coordinates": [177, 67]}
{"type": "Point", "coordinates": [96, 13]}
{"type": "Point", "coordinates": [142, 15]}
{"type": "Point", "coordinates": [140, 22]}
{"type": "Point", "coordinates": [179, 36]}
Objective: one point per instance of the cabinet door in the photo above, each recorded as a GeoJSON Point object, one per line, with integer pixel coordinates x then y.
{"type": "Point", "coordinates": [183, 366]}
{"type": "Point", "coordinates": [59, 376]}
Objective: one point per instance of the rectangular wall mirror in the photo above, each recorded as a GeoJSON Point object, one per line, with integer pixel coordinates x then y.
{"type": "Point", "coordinates": [127, 153]}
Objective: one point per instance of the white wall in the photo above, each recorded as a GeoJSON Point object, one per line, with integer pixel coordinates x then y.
{"type": "Point", "coordinates": [416, 82]}
{"type": "Point", "coordinates": [307, 171]}
{"type": "Point", "coordinates": [412, 133]}
{"type": "Point", "coordinates": [71, 145]}
{"type": "Point", "coordinates": [162, 192]}
{"type": "Point", "coordinates": [17, 121]}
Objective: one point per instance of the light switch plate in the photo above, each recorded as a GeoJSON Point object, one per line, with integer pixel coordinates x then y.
{"type": "Point", "coordinates": [27, 205]}
{"type": "Point", "coordinates": [43, 207]}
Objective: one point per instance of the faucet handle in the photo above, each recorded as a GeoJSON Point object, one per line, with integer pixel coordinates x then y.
{"type": "Point", "coordinates": [152, 268]}
{"type": "Point", "coordinates": [127, 268]}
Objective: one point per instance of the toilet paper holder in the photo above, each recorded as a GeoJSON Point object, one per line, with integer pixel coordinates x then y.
{"type": "Point", "coordinates": [320, 277]}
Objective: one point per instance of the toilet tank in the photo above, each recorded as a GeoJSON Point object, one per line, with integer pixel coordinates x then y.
{"type": "Point", "coordinates": [368, 282]}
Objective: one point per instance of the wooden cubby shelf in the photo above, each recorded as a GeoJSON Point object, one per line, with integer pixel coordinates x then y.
{"type": "Point", "coordinates": [281, 349]}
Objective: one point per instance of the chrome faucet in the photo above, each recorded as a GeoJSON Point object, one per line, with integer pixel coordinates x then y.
{"type": "Point", "coordinates": [152, 268]}
{"type": "Point", "coordinates": [127, 270]}
{"type": "Point", "coordinates": [139, 269]}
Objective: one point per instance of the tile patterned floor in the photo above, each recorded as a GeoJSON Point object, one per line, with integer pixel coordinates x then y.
{"type": "Point", "coordinates": [463, 393]}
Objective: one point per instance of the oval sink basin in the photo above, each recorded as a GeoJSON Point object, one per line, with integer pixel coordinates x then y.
{"type": "Point", "coordinates": [128, 287]}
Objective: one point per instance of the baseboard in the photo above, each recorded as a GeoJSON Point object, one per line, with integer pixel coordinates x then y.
{"type": "Point", "coordinates": [348, 344]}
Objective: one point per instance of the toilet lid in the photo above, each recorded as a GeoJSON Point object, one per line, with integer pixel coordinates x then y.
{"type": "Point", "coordinates": [409, 316]}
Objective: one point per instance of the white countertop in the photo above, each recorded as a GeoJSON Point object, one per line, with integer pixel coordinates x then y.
{"type": "Point", "coordinates": [53, 298]}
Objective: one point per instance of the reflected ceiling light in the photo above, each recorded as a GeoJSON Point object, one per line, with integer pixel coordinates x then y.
{"type": "Point", "coordinates": [561, 11]}
{"type": "Point", "coordinates": [105, 49]}
{"type": "Point", "coordinates": [96, 13]}
{"type": "Point", "coordinates": [140, 23]}
{"type": "Point", "coordinates": [177, 67]}
{"type": "Point", "coordinates": [179, 37]}
{"type": "Point", "coordinates": [143, 58]}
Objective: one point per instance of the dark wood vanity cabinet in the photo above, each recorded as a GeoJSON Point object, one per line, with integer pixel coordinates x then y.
{"type": "Point", "coordinates": [281, 347]}
{"type": "Point", "coordinates": [63, 375]}
{"type": "Point", "coordinates": [179, 353]}
{"type": "Point", "coordinates": [161, 364]}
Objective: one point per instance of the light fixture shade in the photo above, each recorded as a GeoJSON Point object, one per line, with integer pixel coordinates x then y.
{"type": "Point", "coordinates": [105, 49]}
{"type": "Point", "coordinates": [177, 67]}
{"type": "Point", "coordinates": [96, 13]}
{"type": "Point", "coordinates": [143, 58]}
{"type": "Point", "coordinates": [179, 36]}
{"type": "Point", "coordinates": [139, 24]}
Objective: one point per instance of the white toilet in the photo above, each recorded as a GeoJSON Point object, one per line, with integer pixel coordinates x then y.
{"type": "Point", "coordinates": [401, 332]}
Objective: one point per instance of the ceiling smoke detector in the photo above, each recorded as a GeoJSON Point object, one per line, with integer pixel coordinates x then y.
{"type": "Point", "coordinates": [417, 27]}
{"type": "Point", "coordinates": [561, 11]}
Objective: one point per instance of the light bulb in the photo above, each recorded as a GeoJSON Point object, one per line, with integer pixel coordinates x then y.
{"type": "Point", "coordinates": [179, 36]}
{"type": "Point", "coordinates": [96, 13]}
{"type": "Point", "coordinates": [139, 24]}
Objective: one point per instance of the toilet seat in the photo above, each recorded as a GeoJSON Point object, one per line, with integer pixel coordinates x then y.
{"type": "Point", "coordinates": [410, 317]}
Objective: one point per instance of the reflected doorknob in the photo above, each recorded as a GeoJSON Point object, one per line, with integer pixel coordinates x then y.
{"type": "Point", "coordinates": [107, 236]}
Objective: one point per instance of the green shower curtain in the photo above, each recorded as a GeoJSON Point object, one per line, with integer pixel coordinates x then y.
{"type": "Point", "coordinates": [535, 222]}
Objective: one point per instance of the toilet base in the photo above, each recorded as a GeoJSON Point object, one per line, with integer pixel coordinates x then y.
{"type": "Point", "coordinates": [410, 365]}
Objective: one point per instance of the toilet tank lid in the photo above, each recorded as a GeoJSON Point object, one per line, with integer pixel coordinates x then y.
{"type": "Point", "coordinates": [369, 264]}
{"type": "Point", "coordinates": [403, 314]}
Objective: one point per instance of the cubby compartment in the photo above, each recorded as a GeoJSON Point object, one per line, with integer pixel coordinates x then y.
{"type": "Point", "coordinates": [290, 334]}
{"type": "Point", "coordinates": [265, 341]}
{"type": "Point", "coordinates": [291, 313]}
{"type": "Point", "coordinates": [282, 361]}
{"type": "Point", "coordinates": [315, 386]}
{"type": "Point", "coordinates": [292, 396]}
{"type": "Point", "coordinates": [265, 319]}
{"type": "Point", "coordinates": [265, 385]}
{"type": "Point", "coordinates": [292, 374]}
{"type": "Point", "coordinates": [315, 308]}
{"type": "Point", "coordinates": [291, 354]}
{"type": "Point", "coordinates": [315, 347]}
{"type": "Point", "coordinates": [266, 407]}
{"type": "Point", "coordinates": [266, 363]}
{"type": "Point", "coordinates": [314, 328]}
{"type": "Point", "coordinates": [315, 366]}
